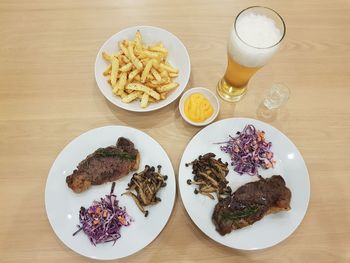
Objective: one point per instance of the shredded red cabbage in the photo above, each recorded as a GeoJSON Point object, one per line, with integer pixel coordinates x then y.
{"type": "Point", "coordinates": [102, 221]}
{"type": "Point", "coordinates": [249, 150]}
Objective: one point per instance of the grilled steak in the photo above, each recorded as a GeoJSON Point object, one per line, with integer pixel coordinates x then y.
{"type": "Point", "coordinates": [250, 203]}
{"type": "Point", "coordinates": [105, 165]}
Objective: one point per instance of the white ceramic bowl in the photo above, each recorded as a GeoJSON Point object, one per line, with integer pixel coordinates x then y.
{"type": "Point", "coordinates": [177, 56]}
{"type": "Point", "coordinates": [212, 99]}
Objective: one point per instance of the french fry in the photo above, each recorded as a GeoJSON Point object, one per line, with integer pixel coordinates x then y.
{"type": "Point", "coordinates": [161, 82]}
{"type": "Point", "coordinates": [137, 77]}
{"type": "Point", "coordinates": [152, 85]}
{"type": "Point", "coordinates": [150, 77]}
{"type": "Point", "coordinates": [168, 87]}
{"type": "Point", "coordinates": [158, 48]}
{"type": "Point", "coordinates": [156, 64]}
{"type": "Point", "coordinates": [138, 42]}
{"type": "Point", "coordinates": [163, 95]}
{"type": "Point", "coordinates": [108, 70]}
{"type": "Point", "coordinates": [114, 71]}
{"type": "Point", "coordinates": [130, 97]}
{"type": "Point", "coordinates": [155, 74]}
{"type": "Point", "coordinates": [164, 74]}
{"type": "Point", "coordinates": [123, 49]}
{"type": "Point", "coordinates": [168, 68]}
{"type": "Point", "coordinates": [151, 54]}
{"type": "Point", "coordinates": [133, 58]}
{"type": "Point", "coordinates": [132, 74]}
{"type": "Point", "coordinates": [126, 67]}
{"type": "Point", "coordinates": [122, 94]}
{"type": "Point", "coordinates": [146, 70]}
{"type": "Point", "coordinates": [125, 59]}
{"type": "Point", "coordinates": [144, 100]}
{"type": "Point", "coordinates": [107, 57]}
{"type": "Point", "coordinates": [121, 82]}
{"type": "Point", "coordinates": [140, 87]}
{"type": "Point", "coordinates": [173, 75]}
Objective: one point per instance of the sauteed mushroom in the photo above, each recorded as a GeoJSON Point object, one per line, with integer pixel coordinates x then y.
{"type": "Point", "coordinates": [146, 184]}
{"type": "Point", "coordinates": [210, 176]}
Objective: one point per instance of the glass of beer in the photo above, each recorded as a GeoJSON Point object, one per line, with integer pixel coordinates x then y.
{"type": "Point", "coordinates": [255, 37]}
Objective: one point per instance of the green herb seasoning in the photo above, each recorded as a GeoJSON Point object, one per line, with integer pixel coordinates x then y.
{"type": "Point", "coordinates": [103, 152]}
{"type": "Point", "coordinates": [236, 215]}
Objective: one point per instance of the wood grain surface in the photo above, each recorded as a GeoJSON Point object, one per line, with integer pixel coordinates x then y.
{"type": "Point", "coordinates": [48, 96]}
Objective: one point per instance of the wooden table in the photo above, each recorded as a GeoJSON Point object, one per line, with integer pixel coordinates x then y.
{"type": "Point", "coordinates": [48, 96]}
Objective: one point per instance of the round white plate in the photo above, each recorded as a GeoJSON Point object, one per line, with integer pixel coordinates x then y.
{"type": "Point", "coordinates": [63, 205]}
{"type": "Point", "coordinates": [177, 57]}
{"type": "Point", "coordinates": [270, 230]}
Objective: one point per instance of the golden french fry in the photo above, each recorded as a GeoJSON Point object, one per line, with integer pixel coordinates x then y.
{"type": "Point", "coordinates": [138, 42]}
{"type": "Point", "coordinates": [123, 48]}
{"type": "Point", "coordinates": [151, 100]}
{"type": "Point", "coordinates": [150, 77]}
{"type": "Point", "coordinates": [152, 85]}
{"type": "Point", "coordinates": [133, 58]}
{"type": "Point", "coordinates": [163, 95]}
{"type": "Point", "coordinates": [151, 54]}
{"type": "Point", "coordinates": [122, 94]}
{"type": "Point", "coordinates": [144, 61]}
{"type": "Point", "coordinates": [168, 68]}
{"type": "Point", "coordinates": [140, 87]}
{"type": "Point", "coordinates": [137, 77]}
{"type": "Point", "coordinates": [128, 91]}
{"type": "Point", "coordinates": [156, 74]}
{"type": "Point", "coordinates": [114, 72]}
{"type": "Point", "coordinates": [126, 67]}
{"type": "Point", "coordinates": [164, 74]}
{"type": "Point", "coordinates": [146, 70]}
{"type": "Point", "coordinates": [133, 74]}
{"type": "Point", "coordinates": [107, 70]}
{"type": "Point", "coordinates": [167, 87]}
{"type": "Point", "coordinates": [156, 64]}
{"type": "Point", "coordinates": [158, 48]}
{"type": "Point", "coordinates": [125, 59]}
{"type": "Point", "coordinates": [173, 75]}
{"type": "Point", "coordinates": [130, 97]}
{"type": "Point", "coordinates": [121, 82]}
{"type": "Point", "coordinates": [144, 100]}
{"type": "Point", "coordinates": [107, 57]}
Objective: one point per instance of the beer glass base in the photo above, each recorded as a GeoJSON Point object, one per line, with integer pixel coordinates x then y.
{"type": "Point", "coordinates": [230, 93]}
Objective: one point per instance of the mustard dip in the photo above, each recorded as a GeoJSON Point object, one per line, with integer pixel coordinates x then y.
{"type": "Point", "coordinates": [198, 108]}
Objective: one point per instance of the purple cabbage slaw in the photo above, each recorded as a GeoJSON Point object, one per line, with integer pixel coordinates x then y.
{"type": "Point", "coordinates": [102, 221]}
{"type": "Point", "coordinates": [249, 150]}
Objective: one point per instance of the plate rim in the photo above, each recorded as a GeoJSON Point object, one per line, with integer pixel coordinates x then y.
{"type": "Point", "coordinates": [147, 109]}
{"type": "Point", "coordinates": [285, 137]}
{"type": "Point", "coordinates": [53, 164]}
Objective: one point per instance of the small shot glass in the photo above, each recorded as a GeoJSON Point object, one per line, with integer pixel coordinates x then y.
{"type": "Point", "coordinates": [277, 96]}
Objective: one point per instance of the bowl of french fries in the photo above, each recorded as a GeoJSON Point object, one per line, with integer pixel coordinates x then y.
{"type": "Point", "coordinates": [142, 68]}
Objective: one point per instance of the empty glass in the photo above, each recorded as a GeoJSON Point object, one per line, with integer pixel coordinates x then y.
{"type": "Point", "coordinates": [277, 96]}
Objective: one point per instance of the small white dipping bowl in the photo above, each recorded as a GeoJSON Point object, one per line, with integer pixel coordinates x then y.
{"type": "Point", "coordinates": [212, 99]}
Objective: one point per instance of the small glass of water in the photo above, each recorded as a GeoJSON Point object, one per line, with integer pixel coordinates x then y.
{"type": "Point", "coordinates": [277, 96]}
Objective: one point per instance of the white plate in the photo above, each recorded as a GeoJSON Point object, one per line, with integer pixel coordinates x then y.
{"type": "Point", "coordinates": [63, 205]}
{"type": "Point", "coordinates": [272, 229]}
{"type": "Point", "coordinates": [177, 56]}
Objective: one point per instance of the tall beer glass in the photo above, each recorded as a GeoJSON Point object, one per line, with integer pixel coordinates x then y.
{"type": "Point", "coordinates": [255, 37]}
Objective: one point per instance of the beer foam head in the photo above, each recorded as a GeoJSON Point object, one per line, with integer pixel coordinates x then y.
{"type": "Point", "coordinates": [254, 39]}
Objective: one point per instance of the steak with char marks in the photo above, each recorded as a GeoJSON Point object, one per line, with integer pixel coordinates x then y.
{"type": "Point", "coordinates": [105, 165]}
{"type": "Point", "coordinates": [250, 203]}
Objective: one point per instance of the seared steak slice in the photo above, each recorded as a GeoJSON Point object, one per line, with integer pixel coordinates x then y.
{"type": "Point", "coordinates": [105, 165]}
{"type": "Point", "coordinates": [250, 203]}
